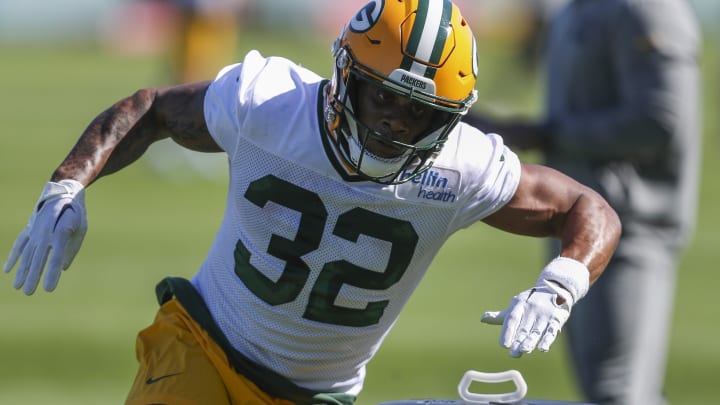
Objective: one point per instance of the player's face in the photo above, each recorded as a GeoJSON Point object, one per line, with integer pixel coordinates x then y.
{"type": "Point", "coordinates": [394, 116]}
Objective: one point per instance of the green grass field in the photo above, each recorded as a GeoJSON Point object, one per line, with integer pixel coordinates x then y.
{"type": "Point", "coordinates": [76, 345]}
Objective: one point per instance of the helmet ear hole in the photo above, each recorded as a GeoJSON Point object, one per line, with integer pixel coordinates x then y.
{"type": "Point", "coordinates": [342, 61]}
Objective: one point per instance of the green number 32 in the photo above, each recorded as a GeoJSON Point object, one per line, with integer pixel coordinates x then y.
{"type": "Point", "coordinates": [349, 226]}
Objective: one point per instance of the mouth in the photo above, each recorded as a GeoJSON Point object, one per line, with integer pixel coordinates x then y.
{"type": "Point", "coordinates": [382, 147]}
{"type": "Point", "coordinates": [383, 150]}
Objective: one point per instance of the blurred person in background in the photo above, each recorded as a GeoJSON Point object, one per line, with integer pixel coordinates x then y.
{"type": "Point", "coordinates": [207, 36]}
{"type": "Point", "coordinates": [341, 193]}
{"type": "Point", "coordinates": [539, 15]}
{"type": "Point", "coordinates": [194, 38]}
{"type": "Point", "coordinates": [623, 116]}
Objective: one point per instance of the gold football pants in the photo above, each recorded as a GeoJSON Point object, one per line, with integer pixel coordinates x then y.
{"type": "Point", "coordinates": [179, 364]}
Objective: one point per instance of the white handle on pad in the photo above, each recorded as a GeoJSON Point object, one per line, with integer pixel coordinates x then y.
{"type": "Point", "coordinates": [509, 375]}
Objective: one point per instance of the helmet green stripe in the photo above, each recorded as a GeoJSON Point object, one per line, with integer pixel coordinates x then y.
{"type": "Point", "coordinates": [428, 37]}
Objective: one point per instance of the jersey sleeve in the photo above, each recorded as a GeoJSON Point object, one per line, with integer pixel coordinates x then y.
{"type": "Point", "coordinates": [227, 100]}
{"type": "Point", "coordinates": [492, 175]}
{"type": "Point", "coordinates": [248, 99]}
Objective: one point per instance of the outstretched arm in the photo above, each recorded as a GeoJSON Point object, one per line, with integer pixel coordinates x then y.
{"type": "Point", "coordinates": [113, 140]}
{"type": "Point", "coordinates": [550, 204]}
{"type": "Point", "coordinates": [122, 133]}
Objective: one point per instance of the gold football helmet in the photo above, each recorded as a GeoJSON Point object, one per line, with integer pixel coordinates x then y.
{"type": "Point", "coordinates": [421, 49]}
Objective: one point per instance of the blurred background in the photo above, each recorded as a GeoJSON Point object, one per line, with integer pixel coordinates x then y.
{"type": "Point", "coordinates": [62, 62]}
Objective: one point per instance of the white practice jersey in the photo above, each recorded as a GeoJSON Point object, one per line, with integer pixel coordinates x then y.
{"type": "Point", "coordinates": [311, 265]}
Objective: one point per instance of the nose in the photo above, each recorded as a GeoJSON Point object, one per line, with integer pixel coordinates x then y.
{"type": "Point", "coordinates": [395, 126]}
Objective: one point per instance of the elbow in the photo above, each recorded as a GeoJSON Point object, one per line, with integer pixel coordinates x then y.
{"type": "Point", "coordinates": [612, 225]}
{"type": "Point", "coordinates": [144, 97]}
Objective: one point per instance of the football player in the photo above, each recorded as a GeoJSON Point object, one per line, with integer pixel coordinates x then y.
{"type": "Point", "coordinates": [341, 193]}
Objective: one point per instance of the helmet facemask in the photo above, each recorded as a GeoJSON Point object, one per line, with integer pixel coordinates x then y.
{"type": "Point", "coordinates": [351, 135]}
{"type": "Point", "coordinates": [422, 50]}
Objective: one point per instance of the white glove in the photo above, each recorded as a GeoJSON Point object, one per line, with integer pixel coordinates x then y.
{"type": "Point", "coordinates": [56, 229]}
{"type": "Point", "coordinates": [534, 317]}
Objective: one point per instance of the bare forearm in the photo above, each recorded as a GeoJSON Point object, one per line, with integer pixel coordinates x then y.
{"type": "Point", "coordinates": [113, 140]}
{"type": "Point", "coordinates": [550, 204]}
{"type": "Point", "coordinates": [590, 233]}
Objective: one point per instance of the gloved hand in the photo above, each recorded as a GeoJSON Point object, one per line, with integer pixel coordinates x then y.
{"type": "Point", "coordinates": [535, 316]}
{"type": "Point", "coordinates": [56, 229]}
